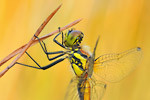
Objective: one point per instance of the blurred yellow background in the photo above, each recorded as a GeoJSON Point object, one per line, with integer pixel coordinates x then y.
{"type": "Point", "coordinates": [121, 25]}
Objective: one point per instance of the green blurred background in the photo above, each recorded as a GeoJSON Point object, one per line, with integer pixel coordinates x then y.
{"type": "Point", "coordinates": [121, 25]}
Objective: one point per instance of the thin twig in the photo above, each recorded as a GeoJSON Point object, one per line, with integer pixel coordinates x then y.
{"type": "Point", "coordinates": [30, 42]}
{"type": "Point", "coordinates": [17, 51]}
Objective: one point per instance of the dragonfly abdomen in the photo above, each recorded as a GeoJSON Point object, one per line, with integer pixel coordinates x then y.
{"type": "Point", "coordinates": [84, 90]}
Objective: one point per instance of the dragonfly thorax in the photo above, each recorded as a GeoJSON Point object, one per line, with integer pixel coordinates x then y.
{"type": "Point", "coordinates": [78, 60]}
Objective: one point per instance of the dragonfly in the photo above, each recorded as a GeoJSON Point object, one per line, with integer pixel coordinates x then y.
{"type": "Point", "coordinates": [84, 86]}
{"type": "Point", "coordinates": [110, 67]}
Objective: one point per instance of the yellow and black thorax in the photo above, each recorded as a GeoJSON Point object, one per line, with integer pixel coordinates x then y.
{"type": "Point", "coordinates": [78, 60]}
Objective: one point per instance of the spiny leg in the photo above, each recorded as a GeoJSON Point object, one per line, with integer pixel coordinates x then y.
{"type": "Point", "coordinates": [48, 53]}
{"type": "Point", "coordinates": [44, 67]}
{"type": "Point", "coordinates": [57, 41]}
{"type": "Point", "coordinates": [44, 49]}
{"type": "Point", "coordinates": [61, 34]}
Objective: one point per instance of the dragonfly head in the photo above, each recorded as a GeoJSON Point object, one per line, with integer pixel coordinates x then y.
{"type": "Point", "coordinates": [73, 38]}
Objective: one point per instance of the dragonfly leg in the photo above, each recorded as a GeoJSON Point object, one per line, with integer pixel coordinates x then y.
{"type": "Point", "coordinates": [49, 53]}
{"type": "Point", "coordinates": [44, 67]}
{"type": "Point", "coordinates": [57, 41]}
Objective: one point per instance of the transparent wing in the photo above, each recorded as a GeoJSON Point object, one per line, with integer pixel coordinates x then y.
{"type": "Point", "coordinates": [114, 67]}
{"type": "Point", "coordinates": [72, 92]}
{"type": "Point", "coordinates": [97, 89]}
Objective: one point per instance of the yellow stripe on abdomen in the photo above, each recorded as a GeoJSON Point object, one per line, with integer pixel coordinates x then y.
{"type": "Point", "coordinates": [87, 91]}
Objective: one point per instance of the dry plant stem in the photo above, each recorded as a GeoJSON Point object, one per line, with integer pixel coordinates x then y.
{"type": "Point", "coordinates": [30, 42]}
{"type": "Point", "coordinates": [17, 51]}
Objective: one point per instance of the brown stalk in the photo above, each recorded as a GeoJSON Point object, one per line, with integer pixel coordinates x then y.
{"type": "Point", "coordinates": [30, 42]}
{"type": "Point", "coordinates": [19, 50]}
